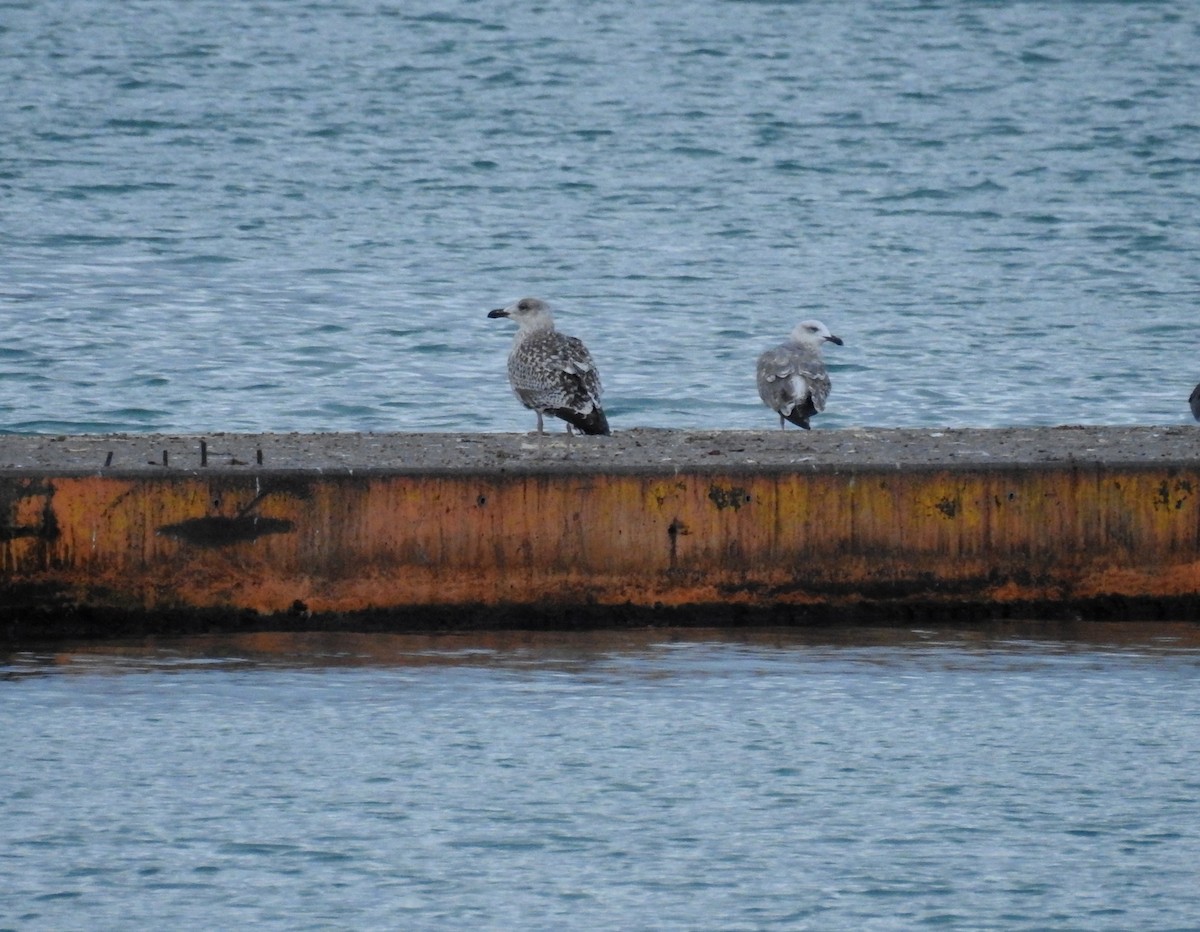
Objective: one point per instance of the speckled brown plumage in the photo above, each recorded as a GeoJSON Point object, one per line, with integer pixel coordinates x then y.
{"type": "Point", "coordinates": [550, 372]}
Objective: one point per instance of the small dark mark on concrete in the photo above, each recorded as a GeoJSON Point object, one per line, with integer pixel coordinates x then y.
{"type": "Point", "coordinates": [220, 531]}
{"type": "Point", "coordinates": [674, 529]}
{"type": "Point", "coordinates": [733, 497]}
{"type": "Point", "coordinates": [203, 452]}
{"type": "Point", "coordinates": [948, 507]}
{"type": "Point", "coordinates": [108, 459]}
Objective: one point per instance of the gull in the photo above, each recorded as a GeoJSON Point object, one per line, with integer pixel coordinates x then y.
{"type": "Point", "coordinates": [552, 373]}
{"type": "Point", "coordinates": [1194, 401]}
{"type": "Point", "coordinates": [792, 379]}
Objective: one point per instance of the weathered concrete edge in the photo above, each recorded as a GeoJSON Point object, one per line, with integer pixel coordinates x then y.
{"type": "Point", "coordinates": [559, 470]}
{"type": "Point", "coordinates": [636, 450]}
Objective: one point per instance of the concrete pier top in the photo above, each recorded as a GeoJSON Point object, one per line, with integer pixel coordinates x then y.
{"type": "Point", "coordinates": [636, 451]}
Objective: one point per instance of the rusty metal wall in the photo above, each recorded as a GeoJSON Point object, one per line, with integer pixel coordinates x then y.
{"type": "Point", "coordinates": [276, 542]}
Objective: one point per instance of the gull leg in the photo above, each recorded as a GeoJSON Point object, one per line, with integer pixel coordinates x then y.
{"type": "Point", "coordinates": [539, 417]}
{"type": "Point", "coordinates": [782, 423]}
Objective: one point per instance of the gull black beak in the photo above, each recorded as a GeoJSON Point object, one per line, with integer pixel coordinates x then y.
{"type": "Point", "coordinates": [498, 312]}
{"type": "Point", "coordinates": [832, 339]}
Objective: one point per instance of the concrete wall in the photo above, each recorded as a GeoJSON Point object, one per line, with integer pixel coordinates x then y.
{"type": "Point", "coordinates": [106, 552]}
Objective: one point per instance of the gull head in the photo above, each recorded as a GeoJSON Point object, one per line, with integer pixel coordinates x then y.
{"type": "Point", "coordinates": [529, 314]}
{"type": "Point", "coordinates": [813, 333]}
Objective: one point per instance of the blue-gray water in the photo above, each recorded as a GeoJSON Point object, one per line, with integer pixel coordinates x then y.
{"type": "Point", "coordinates": [647, 780]}
{"type": "Point", "coordinates": [294, 215]}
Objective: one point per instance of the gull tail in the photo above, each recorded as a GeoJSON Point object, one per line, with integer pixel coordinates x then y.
{"type": "Point", "coordinates": [800, 414]}
{"type": "Point", "coordinates": [594, 422]}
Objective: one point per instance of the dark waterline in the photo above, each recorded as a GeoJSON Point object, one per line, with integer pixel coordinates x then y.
{"type": "Point", "coordinates": [501, 649]}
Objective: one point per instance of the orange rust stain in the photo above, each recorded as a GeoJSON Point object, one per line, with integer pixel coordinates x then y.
{"type": "Point", "coordinates": [345, 543]}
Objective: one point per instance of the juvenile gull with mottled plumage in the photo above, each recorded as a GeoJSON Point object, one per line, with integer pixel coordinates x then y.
{"type": "Point", "coordinates": [552, 373]}
{"type": "Point", "coordinates": [792, 379]}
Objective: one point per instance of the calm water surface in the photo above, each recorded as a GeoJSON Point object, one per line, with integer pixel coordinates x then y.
{"type": "Point", "coordinates": [643, 780]}
{"type": "Point", "coordinates": [291, 215]}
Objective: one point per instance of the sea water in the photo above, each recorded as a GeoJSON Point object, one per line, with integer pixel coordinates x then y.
{"type": "Point", "coordinates": [896, 779]}
{"type": "Point", "coordinates": [288, 215]}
